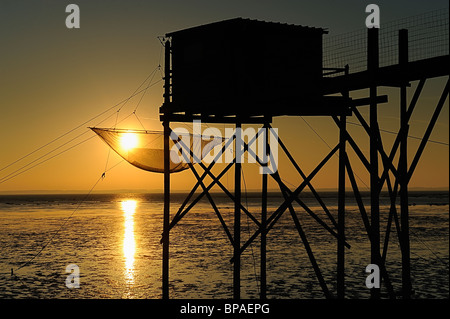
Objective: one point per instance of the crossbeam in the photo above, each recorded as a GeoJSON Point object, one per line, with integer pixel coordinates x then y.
{"type": "Point", "coordinates": [393, 75]}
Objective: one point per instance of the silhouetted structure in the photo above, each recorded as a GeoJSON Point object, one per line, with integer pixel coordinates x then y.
{"type": "Point", "coordinates": [244, 71]}
{"type": "Point", "coordinates": [243, 67]}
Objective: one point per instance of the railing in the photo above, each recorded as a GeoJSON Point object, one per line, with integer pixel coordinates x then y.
{"type": "Point", "coordinates": [428, 36]}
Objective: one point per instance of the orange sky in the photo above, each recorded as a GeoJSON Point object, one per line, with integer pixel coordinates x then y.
{"type": "Point", "coordinates": [54, 79]}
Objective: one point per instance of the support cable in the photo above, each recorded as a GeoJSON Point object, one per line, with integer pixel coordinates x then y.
{"type": "Point", "coordinates": [330, 148]}
{"type": "Point", "coordinates": [24, 168]}
{"type": "Point", "coordinates": [410, 136]}
{"type": "Point", "coordinates": [248, 231]}
{"type": "Point", "coordinates": [64, 222]}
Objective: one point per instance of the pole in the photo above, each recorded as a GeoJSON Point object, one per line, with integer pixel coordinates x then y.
{"type": "Point", "coordinates": [166, 218]}
{"type": "Point", "coordinates": [403, 170]}
{"type": "Point", "coordinates": [372, 66]}
{"type": "Point", "coordinates": [341, 205]}
{"type": "Point", "coordinates": [237, 213]}
{"type": "Point", "coordinates": [264, 217]}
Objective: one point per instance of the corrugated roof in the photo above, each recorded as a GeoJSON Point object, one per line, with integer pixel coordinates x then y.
{"type": "Point", "coordinates": [244, 22]}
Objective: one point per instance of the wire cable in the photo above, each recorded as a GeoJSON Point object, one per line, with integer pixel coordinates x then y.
{"type": "Point", "coordinates": [59, 229]}
{"type": "Point", "coordinates": [410, 136]}
{"type": "Point", "coordinates": [24, 168]}
{"type": "Point", "coordinates": [367, 186]}
{"type": "Point", "coordinates": [248, 231]}
{"type": "Point", "coordinates": [136, 92]}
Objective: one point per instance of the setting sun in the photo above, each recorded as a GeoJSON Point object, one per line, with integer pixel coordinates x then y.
{"type": "Point", "coordinates": [128, 141]}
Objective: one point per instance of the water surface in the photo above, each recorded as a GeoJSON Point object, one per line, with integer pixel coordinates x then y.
{"type": "Point", "coordinates": [115, 242]}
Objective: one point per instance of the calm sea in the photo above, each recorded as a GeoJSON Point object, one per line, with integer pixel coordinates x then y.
{"type": "Point", "coordinates": [115, 242]}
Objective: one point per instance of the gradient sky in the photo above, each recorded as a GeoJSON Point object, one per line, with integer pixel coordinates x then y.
{"type": "Point", "coordinates": [52, 79]}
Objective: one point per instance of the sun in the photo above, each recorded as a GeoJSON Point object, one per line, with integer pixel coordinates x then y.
{"type": "Point", "coordinates": [128, 141]}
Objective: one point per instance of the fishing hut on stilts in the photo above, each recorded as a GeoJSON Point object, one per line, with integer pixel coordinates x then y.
{"type": "Point", "coordinates": [242, 72]}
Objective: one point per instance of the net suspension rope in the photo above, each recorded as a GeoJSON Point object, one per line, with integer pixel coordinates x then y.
{"type": "Point", "coordinates": [103, 175]}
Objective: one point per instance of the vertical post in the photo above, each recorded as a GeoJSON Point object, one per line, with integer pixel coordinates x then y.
{"type": "Point", "coordinates": [403, 170]}
{"type": "Point", "coordinates": [264, 216]}
{"type": "Point", "coordinates": [166, 218]}
{"type": "Point", "coordinates": [341, 204]}
{"type": "Point", "coordinates": [237, 213]}
{"type": "Point", "coordinates": [372, 66]}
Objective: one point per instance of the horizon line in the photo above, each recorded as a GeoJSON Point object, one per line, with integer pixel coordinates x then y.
{"type": "Point", "coordinates": [177, 191]}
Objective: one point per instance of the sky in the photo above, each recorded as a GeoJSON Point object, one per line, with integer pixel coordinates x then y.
{"type": "Point", "coordinates": [54, 81]}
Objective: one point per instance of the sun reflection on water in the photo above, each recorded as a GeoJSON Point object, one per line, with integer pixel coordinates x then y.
{"type": "Point", "coordinates": [129, 243]}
